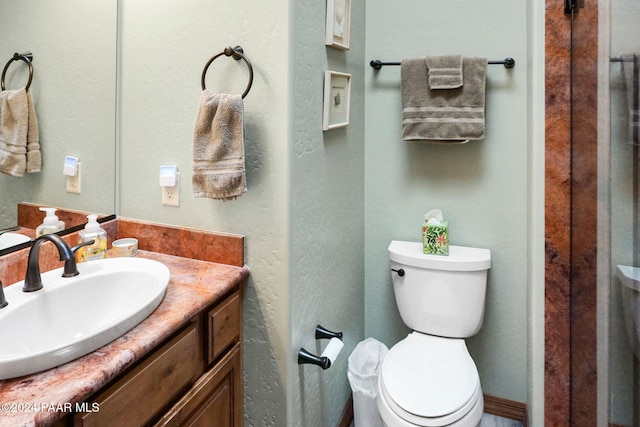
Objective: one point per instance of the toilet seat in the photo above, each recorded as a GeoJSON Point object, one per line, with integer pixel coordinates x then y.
{"type": "Point", "coordinates": [430, 381]}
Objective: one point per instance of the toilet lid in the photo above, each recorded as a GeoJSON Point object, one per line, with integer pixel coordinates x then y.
{"type": "Point", "coordinates": [430, 376]}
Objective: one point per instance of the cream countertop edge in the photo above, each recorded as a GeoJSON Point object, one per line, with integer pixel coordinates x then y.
{"type": "Point", "coordinates": [194, 285]}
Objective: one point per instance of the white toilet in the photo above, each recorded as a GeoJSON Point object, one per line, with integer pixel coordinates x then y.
{"type": "Point", "coordinates": [429, 378]}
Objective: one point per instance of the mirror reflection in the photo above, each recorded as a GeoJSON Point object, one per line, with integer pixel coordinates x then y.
{"type": "Point", "coordinates": [32, 223]}
{"type": "Point", "coordinates": [621, 178]}
{"type": "Point", "coordinates": [73, 43]}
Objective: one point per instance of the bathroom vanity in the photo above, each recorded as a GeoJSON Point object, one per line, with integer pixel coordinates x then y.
{"type": "Point", "coordinates": [182, 364]}
{"type": "Point", "coordinates": [195, 376]}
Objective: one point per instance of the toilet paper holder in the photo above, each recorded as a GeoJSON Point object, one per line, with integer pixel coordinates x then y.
{"type": "Point", "coordinates": [325, 360]}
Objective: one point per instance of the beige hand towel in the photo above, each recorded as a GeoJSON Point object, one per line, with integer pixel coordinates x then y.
{"type": "Point", "coordinates": [33, 138]}
{"type": "Point", "coordinates": [13, 131]}
{"type": "Point", "coordinates": [445, 72]}
{"type": "Point", "coordinates": [453, 115]}
{"type": "Point", "coordinates": [218, 147]}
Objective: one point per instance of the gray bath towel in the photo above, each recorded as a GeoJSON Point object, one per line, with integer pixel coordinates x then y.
{"type": "Point", "coordinates": [452, 115]}
{"type": "Point", "coordinates": [218, 147]}
{"type": "Point", "coordinates": [445, 72]}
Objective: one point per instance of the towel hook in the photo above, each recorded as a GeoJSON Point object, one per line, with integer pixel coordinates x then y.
{"type": "Point", "coordinates": [26, 57]}
{"type": "Point", "coordinates": [237, 53]}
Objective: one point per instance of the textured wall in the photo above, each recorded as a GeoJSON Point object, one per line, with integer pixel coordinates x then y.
{"type": "Point", "coordinates": [303, 213]}
{"type": "Point", "coordinates": [327, 202]}
{"type": "Point", "coordinates": [482, 186]}
{"type": "Point", "coordinates": [74, 48]}
{"type": "Point", "coordinates": [164, 49]}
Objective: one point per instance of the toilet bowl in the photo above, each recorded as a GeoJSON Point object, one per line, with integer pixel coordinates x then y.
{"type": "Point", "coordinates": [429, 381]}
{"type": "Point", "coordinates": [429, 378]}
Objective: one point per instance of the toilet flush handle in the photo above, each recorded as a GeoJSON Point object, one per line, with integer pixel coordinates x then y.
{"type": "Point", "coordinates": [400, 271]}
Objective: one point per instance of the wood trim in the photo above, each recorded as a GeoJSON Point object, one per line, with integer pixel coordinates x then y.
{"type": "Point", "coordinates": [346, 419]}
{"type": "Point", "coordinates": [498, 406]}
{"type": "Point", "coordinates": [506, 408]}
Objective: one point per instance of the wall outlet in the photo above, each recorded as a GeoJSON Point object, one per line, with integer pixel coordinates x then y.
{"type": "Point", "coordinates": [74, 182]}
{"type": "Point", "coordinates": [171, 195]}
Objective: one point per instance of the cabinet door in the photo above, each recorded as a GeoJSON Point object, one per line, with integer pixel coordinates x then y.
{"type": "Point", "coordinates": [215, 399]}
{"type": "Point", "coordinates": [225, 326]}
{"type": "Point", "coordinates": [143, 392]}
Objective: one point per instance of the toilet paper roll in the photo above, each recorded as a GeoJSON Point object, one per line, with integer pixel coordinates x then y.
{"type": "Point", "coordinates": [332, 350]}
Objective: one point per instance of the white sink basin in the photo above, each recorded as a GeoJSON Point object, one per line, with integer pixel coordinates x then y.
{"type": "Point", "coordinates": [11, 239]}
{"type": "Point", "coordinates": [71, 317]}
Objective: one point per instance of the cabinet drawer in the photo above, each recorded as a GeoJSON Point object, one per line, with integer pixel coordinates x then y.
{"type": "Point", "coordinates": [224, 326]}
{"type": "Point", "coordinates": [142, 393]}
{"type": "Point", "coordinates": [214, 400]}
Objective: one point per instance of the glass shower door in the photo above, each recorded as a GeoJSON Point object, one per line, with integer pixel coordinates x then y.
{"type": "Point", "coordinates": [619, 188]}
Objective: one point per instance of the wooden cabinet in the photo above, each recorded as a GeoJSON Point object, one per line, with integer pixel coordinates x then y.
{"type": "Point", "coordinates": [225, 325]}
{"type": "Point", "coordinates": [193, 379]}
{"type": "Point", "coordinates": [215, 399]}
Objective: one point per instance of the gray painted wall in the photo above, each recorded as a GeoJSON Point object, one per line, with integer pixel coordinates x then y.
{"type": "Point", "coordinates": [327, 211]}
{"type": "Point", "coordinates": [164, 49]}
{"type": "Point", "coordinates": [481, 186]}
{"type": "Point", "coordinates": [303, 212]}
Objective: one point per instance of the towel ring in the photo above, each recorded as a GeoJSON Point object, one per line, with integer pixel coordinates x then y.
{"type": "Point", "coordinates": [237, 54]}
{"type": "Point", "coordinates": [26, 57]}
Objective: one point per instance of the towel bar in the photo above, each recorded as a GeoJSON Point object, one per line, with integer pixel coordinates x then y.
{"type": "Point", "coordinates": [26, 57]}
{"type": "Point", "coordinates": [507, 62]}
{"type": "Point", "coordinates": [237, 54]}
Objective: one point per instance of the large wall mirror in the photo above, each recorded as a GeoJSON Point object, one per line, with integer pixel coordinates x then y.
{"type": "Point", "coordinates": [74, 47]}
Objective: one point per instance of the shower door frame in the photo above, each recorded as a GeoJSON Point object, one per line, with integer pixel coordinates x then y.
{"type": "Point", "coordinates": [571, 166]}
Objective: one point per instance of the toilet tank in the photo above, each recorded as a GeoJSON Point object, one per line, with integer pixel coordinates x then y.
{"type": "Point", "coordinates": [440, 295]}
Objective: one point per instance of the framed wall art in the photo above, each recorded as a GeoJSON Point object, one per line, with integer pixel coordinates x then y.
{"type": "Point", "coordinates": [337, 97]}
{"type": "Point", "coordinates": [338, 23]}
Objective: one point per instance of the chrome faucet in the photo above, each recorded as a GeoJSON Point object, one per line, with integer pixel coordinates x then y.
{"type": "Point", "coordinates": [32, 280]}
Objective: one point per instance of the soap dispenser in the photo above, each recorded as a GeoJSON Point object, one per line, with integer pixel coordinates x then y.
{"type": "Point", "coordinates": [92, 231]}
{"type": "Point", "coordinates": [51, 223]}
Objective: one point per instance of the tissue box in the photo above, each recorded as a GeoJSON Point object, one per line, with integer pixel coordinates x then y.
{"type": "Point", "coordinates": [435, 238]}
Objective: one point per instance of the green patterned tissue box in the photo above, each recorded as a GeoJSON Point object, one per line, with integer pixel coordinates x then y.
{"type": "Point", "coordinates": [435, 238]}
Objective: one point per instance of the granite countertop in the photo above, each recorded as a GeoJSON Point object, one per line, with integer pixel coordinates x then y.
{"type": "Point", "coordinates": [41, 399]}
